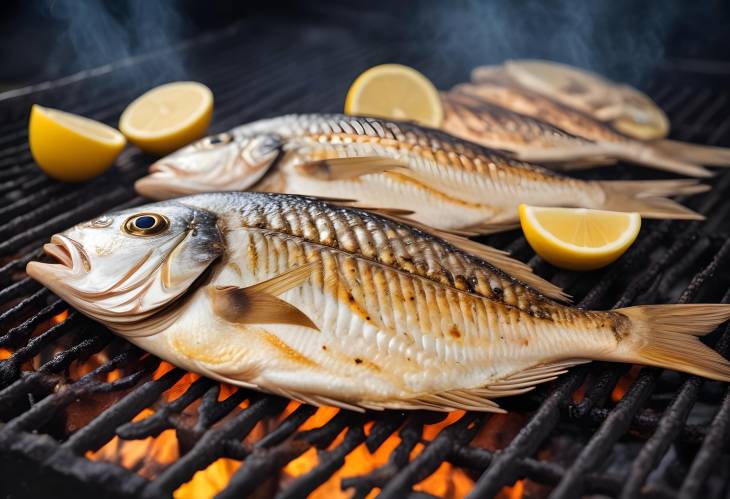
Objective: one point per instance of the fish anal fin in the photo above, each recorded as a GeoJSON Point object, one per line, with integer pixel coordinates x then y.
{"type": "Point", "coordinates": [349, 168]}
{"type": "Point", "coordinates": [527, 379]}
{"type": "Point", "coordinates": [258, 304]}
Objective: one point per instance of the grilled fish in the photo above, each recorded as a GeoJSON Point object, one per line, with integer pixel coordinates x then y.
{"type": "Point", "coordinates": [677, 157]}
{"type": "Point", "coordinates": [442, 181]}
{"type": "Point", "coordinates": [336, 306]}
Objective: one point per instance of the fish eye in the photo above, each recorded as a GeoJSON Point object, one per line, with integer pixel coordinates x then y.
{"type": "Point", "coordinates": [221, 138]}
{"type": "Point", "coordinates": [146, 224]}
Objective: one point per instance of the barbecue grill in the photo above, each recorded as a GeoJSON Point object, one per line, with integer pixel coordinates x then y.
{"type": "Point", "coordinates": [83, 413]}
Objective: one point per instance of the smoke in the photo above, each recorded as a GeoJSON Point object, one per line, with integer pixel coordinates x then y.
{"type": "Point", "coordinates": [623, 39]}
{"type": "Point", "coordinates": [94, 33]}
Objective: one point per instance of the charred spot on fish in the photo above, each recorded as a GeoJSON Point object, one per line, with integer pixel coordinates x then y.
{"type": "Point", "coordinates": [324, 347]}
{"type": "Point", "coordinates": [473, 282]}
{"type": "Point", "coordinates": [454, 332]}
{"type": "Point", "coordinates": [358, 361]}
{"type": "Point", "coordinates": [620, 325]}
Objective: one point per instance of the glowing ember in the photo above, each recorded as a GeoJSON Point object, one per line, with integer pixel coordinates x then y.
{"type": "Point", "coordinates": [181, 386]}
{"type": "Point", "coordinates": [162, 369]}
{"type": "Point", "coordinates": [113, 375]}
{"type": "Point", "coordinates": [59, 318]}
{"type": "Point", "coordinates": [514, 492]}
{"type": "Point", "coordinates": [5, 354]}
{"type": "Point", "coordinates": [624, 383]}
{"type": "Point", "coordinates": [447, 481]}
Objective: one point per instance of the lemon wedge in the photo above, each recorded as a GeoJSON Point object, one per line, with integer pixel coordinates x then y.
{"type": "Point", "coordinates": [397, 92]}
{"type": "Point", "coordinates": [578, 238]}
{"type": "Point", "coordinates": [168, 117]}
{"type": "Point", "coordinates": [69, 147]}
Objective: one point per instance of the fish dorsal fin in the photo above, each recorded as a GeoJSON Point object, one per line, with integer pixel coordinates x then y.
{"type": "Point", "coordinates": [527, 379]}
{"type": "Point", "coordinates": [501, 259]}
{"type": "Point", "coordinates": [349, 168]}
{"type": "Point", "coordinates": [258, 304]}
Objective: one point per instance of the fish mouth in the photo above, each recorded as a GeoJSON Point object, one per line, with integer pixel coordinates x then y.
{"type": "Point", "coordinates": [166, 169]}
{"type": "Point", "coordinates": [69, 254]}
{"type": "Point", "coordinates": [60, 253]}
{"type": "Point", "coordinates": [167, 180]}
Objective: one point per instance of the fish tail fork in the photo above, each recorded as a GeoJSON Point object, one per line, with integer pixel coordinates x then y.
{"type": "Point", "coordinates": [666, 336]}
{"type": "Point", "coordinates": [649, 197]}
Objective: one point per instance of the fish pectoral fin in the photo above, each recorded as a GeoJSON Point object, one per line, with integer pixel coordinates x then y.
{"type": "Point", "coordinates": [526, 380]}
{"type": "Point", "coordinates": [486, 228]}
{"type": "Point", "coordinates": [387, 212]}
{"type": "Point", "coordinates": [258, 304]}
{"type": "Point", "coordinates": [349, 168]}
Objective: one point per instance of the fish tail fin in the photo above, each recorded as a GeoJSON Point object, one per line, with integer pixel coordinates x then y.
{"type": "Point", "coordinates": [647, 154]}
{"type": "Point", "coordinates": [666, 336]}
{"type": "Point", "coordinates": [703, 155]}
{"type": "Point", "coordinates": [649, 197]}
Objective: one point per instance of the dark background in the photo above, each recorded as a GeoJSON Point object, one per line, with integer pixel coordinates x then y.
{"type": "Point", "coordinates": [624, 39]}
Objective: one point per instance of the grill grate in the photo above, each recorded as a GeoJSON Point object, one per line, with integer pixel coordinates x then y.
{"type": "Point", "coordinates": [666, 437]}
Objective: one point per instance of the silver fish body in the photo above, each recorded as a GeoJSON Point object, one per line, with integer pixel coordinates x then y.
{"type": "Point", "coordinates": [445, 182]}
{"type": "Point", "coordinates": [338, 306]}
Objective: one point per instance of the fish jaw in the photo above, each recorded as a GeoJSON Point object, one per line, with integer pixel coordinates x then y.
{"type": "Point", "coordinates": [72, 262]}
{"type": "Point", "coordinates": [163, 183]}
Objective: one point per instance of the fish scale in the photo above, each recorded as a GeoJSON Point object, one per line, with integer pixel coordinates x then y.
{"type": "Point", "coordinates": [441, 263]}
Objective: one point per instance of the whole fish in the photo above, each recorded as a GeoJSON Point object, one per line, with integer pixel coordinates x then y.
{"type": "Point", "coordinates": [444, 182]}
{"type": "Point", "coordinates": [677, 157]}
{"type": "Point", "coordinates": [336, 306]}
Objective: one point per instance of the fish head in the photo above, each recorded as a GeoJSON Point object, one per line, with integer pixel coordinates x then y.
{"type": "Point", "coordinates": [125, 267]}
{"type": "Point", "coordinates": [223, 162]}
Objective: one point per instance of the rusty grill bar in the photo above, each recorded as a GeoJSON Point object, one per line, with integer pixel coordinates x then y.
{"type": "Point", "coordinates": [668, 436]}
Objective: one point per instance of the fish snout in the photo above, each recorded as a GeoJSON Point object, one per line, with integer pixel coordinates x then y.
{"type": "Point", "coordinates": [69, 255]}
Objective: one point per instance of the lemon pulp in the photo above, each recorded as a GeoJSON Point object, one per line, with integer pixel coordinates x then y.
{"type": "Point", "coordinates": [168, 117]}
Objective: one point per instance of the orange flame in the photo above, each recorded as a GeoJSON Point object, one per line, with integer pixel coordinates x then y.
{"type": "Point", "coordinates": [147, 456]}
{"type": "Point", "coordinates": [151, 455]}
{"type": "Point", "coordinates": [515, 492]}
{"type": "Point", "coordinates": [5, 354]}
{"type": "Point", "coordinates": [209, 481]}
